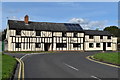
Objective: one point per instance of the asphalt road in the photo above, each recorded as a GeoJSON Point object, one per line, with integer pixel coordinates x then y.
{"type": "Point", "coordinates": [66, 65]}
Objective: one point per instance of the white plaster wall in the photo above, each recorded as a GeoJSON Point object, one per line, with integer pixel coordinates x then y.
{"type": "Point", "coordinates": [10, 46]}
{"type": "Point", "coordinates": [57, 33]}
{"type": "Point", "coordinates": [28, 33]}
{"type": "Point", "coordinates": [12, 32]}
{"type": "Point", "coordinates": [86, 47]}
{"type": "Point", "coordinates": [97, 39]}
{"type": "Point", "coordinates": [69, 34]}
{"type": "Point", "coordinates": [80, 34]}
{"type": "Point", "coordinates": [46, 34]}
{"type": "Point", "coordinates": [114, 46]}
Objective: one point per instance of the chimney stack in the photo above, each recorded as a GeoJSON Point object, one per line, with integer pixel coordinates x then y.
{"type": "Point", "coordinates": [26, 19]}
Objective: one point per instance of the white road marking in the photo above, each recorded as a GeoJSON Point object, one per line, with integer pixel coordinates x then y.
{"type": "Point", "coordinates": [95, 77]}
{"type": "Point", "coordinates": [23, 56]}
{"type": "Point", "coordinates": [71, 67]}
{"type": "Point", "coordinates": [30, 54]}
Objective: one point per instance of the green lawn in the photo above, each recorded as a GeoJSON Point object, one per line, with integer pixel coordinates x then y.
{"type": "Point", "coordinates": [8, 65]}
{"type": "Point", "coordinates": [108, 57]}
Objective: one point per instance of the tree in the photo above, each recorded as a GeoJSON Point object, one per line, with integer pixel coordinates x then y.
{"type": "Point", "coordinates": [3, 35]}
{"type": "Point", "coordinates": [114, 30]}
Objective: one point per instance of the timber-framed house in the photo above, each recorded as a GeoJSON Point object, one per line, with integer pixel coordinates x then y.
{"type": "Point", "coordinates": [45, 36]}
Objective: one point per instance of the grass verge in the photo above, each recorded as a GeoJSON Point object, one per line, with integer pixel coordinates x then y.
{"type": "Point", "coordinates": [8, 66]}
{"type": "Point", "coordinates": [113, 58]}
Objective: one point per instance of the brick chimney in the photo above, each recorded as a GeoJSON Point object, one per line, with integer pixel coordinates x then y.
{"type": "Point", "coordinates": [26, 19]}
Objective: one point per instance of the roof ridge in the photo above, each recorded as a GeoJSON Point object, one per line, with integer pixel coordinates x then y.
{"type": "Point", "coordinates": [43, 22]}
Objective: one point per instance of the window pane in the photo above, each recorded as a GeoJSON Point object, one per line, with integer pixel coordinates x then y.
{"type": "Point", "coordinates": [97, 44]}
{"type": "Point", "coordinates": [91, 45]}
{"type": "Point", "coordinates": [38, 33]}
{"type": "Point", "coordinates": [90, 37]}
{"type": "Point", "coordinates": [18, 32]}
{"type": "Point", "coordinates": [61, 45]}
{"type": "Point", "coordinates": [37, 45]}
{"type": "Point", "coordinates": [63, 34]}
{"type": "Point", "coordinates": [101, 37]}
{"type": "Point", "coordinates": [109, 37]}
{"type": "Point", "coordinates": [109, 44]}
{"type": "Point", "coordinates": [76, 44]}
{"type": "Point", "coordinates": [75, 34]}
{"type": "Point", "coordinates": [18, 45]}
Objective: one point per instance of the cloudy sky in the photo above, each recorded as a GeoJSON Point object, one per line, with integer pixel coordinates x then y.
{"type": "Point", "coordinates": [90, 15]}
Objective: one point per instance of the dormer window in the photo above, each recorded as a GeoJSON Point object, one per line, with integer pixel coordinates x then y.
{"type": "Point", "coordinates": [63, 34]}
{"type": "Point", "coordinates": [109, 37]}
{"type": "Point", "coordinates": [38, 33]}
{"type": "Point", "coordinates": [75, 34]}
{"type": "Point", "coordinates": [90, 36]}
{"type": "Point", "coordinates": [18, 32]}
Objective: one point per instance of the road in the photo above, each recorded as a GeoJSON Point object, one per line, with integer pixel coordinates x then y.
{"type": "Point", "coordinates": [66, 65]}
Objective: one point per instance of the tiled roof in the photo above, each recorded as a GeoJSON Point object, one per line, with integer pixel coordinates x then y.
{"type": "Point", "coordinates": [97, 32]}
{"type": "Point", "coordinates": [14, 24]}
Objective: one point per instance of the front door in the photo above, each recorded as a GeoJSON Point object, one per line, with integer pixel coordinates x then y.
{"type": "Point", "coordinates": [46, 46]}
{"type": "Point", "coordinates": [104, 46]}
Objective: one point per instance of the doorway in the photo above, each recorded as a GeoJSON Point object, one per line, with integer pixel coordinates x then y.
{"type": "Point", "coordinates": [47, 46]}
{"type": "Point", "coordinates": [104, 46]}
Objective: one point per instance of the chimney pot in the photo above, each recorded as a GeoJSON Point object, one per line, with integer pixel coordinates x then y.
{"type": "Point", "coordinates": [26, 19]}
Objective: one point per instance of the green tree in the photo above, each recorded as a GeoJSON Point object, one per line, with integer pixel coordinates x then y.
{"type": "Point", "coordinates": [114, 30]}
{"type": "Point", "coordinates": [3, 35]}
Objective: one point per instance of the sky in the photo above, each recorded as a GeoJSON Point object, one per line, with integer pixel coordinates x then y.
{"type": "Point", "coordinates": [90, 15]}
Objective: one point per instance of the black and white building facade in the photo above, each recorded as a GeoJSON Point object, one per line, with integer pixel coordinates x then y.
{"type": "Point", "coordinates": [44, 36]}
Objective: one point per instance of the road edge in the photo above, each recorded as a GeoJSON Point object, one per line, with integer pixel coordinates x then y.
{"type": "Point", "coordinates": [91, 58]}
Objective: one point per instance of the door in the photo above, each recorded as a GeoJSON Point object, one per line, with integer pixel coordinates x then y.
{"type": "Point", "coordinates": [46, 46]}
{"type": "Point", "coordinates": [104, 46]}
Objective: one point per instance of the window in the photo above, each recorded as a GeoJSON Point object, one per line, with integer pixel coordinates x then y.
{"type": "Point", "coordinates": [61, 45]}
{"type": "Point", "coordinates": [18, 45]}
{"type": "Point", "coordinates": [18, 32]}
{"type": "Point", "coordinates": [38, 33]}
{"type": "Point", "coordinates": [91, 45]}
{"type": "Point", "coordinates": [37, 45]}
{"type": "Point", "coordinates": [90, 37]}
{"type": "Point", "coordinates": [76, 44]}
{"type": "Point", "coordinates": [75, 34]}
{"type": "Point", "coordinates": [109, 44]}
{"type": "Point", "coordinates": [109, 37]}
{"type": "Point", "coordinates": [101, 37]}
{"type": "Point", "coordinates": [63, 34]}
{"type": "Point", "coordinates": [97, 44]}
